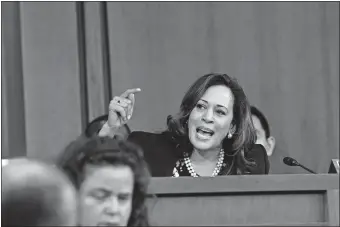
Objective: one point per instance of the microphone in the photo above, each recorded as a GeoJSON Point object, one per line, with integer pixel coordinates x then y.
{"type": "Point", "coordinates": [292, 162]}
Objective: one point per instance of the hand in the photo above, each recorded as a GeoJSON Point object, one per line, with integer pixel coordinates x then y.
{"type": "Point", "coordinates": [121, 108]}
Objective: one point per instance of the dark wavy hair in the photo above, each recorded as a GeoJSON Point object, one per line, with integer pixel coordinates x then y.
{"type": "Point", "coordinates": [103, 151]}
{"type": "Point", "coordinates": [263, 120]}
{"type": "Point", "coordinates": [244, 137]}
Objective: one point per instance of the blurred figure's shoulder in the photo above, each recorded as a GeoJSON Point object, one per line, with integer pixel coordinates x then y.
{"type": "Point", "coordinates": [259, 155]}
{"type": "Point", "coordinates": [258, 148]}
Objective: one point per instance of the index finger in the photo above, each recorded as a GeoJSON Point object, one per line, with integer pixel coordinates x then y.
{"type": "Point", "coordinates": [130, 91]}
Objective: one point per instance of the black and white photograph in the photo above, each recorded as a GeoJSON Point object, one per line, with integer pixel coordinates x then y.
{"type": "Point", "coordinates": [170, 113]}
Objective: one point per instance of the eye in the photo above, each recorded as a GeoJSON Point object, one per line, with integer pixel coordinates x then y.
{"type": "Point", "coordinates": [200, 106]}
{"type": "Point", "coordinates": [123, 197]}
{"type": "Point", "coordinates": [99, 194]}
{"type": "Point", "coordinates": [221, 112]}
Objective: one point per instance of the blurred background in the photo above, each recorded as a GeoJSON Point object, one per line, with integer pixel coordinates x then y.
{"type": "Point", "coordinates": [62, 62]}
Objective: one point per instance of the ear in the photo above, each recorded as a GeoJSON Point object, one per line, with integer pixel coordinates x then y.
{"type": "Point", "coordinates": [271, 145]}
{"type": "Point", "coordinates": [232, 129]}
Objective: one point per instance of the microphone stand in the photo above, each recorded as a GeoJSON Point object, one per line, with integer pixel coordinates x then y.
{"type": "Point", "coordinates": [309, 170]}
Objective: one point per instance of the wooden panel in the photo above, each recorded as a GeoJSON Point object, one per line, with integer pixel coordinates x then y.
{"type": "Point", "coordinates": [293, 200]}
{"type": "Point", "coordinates": [245, 183]}
{"type": "Point", "coordinates": [13, 139]}
{"type": "Point", "coordinates": [51, 76]}
{"type": "Point", "coordinates": [238, 209]}
{"type": "Point", "coordinates": [332, 205]}
{"type": "Point", "coordinates": [96, 60]}
{"type": "Point", "coordinates": [284, 54]}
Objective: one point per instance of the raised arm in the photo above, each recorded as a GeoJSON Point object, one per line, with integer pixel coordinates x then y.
{"type": "Point", "coordinates": [120, 112]}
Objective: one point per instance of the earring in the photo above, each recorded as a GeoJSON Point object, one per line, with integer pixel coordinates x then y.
{"type": "Point", "coordinates": [229, 135]}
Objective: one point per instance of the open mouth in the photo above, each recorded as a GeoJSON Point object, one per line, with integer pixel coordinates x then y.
{"type": "Point", "coordinates": [204, 133]}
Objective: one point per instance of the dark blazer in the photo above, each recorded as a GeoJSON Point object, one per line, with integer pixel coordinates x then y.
{"type": "Point", "coordinates": [161, 153]}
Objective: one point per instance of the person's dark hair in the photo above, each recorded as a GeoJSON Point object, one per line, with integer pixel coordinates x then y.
{"type": "Point", "coordinates": [256, 112]}
{"type": "Point", "coordinates": [96, 124]}
{"type": "Point", "coordinates": [244, 137]}
{"type": "Point", "coordinates": [105, 151]}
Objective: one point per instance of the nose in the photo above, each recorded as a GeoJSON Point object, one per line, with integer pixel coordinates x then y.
{"type": "Point", "coordinates": [208, 116]}
{"type": "Point", "coordinates": [112, 205]}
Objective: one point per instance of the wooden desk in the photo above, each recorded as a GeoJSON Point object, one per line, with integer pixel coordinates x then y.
{"type": "Point", "coordinates": [305, 200]}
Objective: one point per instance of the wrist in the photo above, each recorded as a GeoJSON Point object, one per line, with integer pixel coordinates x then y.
{"type": "Point", "coordinates": [106, 130]}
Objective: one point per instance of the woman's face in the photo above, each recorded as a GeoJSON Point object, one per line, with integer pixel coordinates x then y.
{"type": "Point", "coordinates": [210, 120]}
{"type": "Point", "coordinates": [106, 196]}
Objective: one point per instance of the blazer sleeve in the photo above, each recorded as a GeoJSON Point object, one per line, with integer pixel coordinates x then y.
{"type": "Point", "coordinates": [259, 155]}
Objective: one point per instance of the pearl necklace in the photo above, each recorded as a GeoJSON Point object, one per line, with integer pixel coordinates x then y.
{"type": "Point", "coordinates": [216, 170]}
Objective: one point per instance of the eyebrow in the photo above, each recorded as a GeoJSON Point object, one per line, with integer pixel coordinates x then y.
{"type": "Point", "coordinates": [104, 190]}
{"type": "Point", "coordinates": [125, 193]}
{"type": "Point", "coordinates": [217, 104]}
{"type": "Point", "coordinates": [107, 191]}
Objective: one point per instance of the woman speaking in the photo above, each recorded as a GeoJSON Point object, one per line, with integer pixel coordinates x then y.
{"type": "Point", "coordinates": [211, 135]}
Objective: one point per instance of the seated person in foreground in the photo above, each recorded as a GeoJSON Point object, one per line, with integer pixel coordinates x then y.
{"type": "Point", "coordinates": [112, 180]}
{"type": "Point", "coordinates": [91, 130]}
{"type": "Point", "coordinates": [262, 130]}
{"type": "Point", "coordinates": [36, 194]}
{"type": "Point", "coordinates": [211, 135]}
